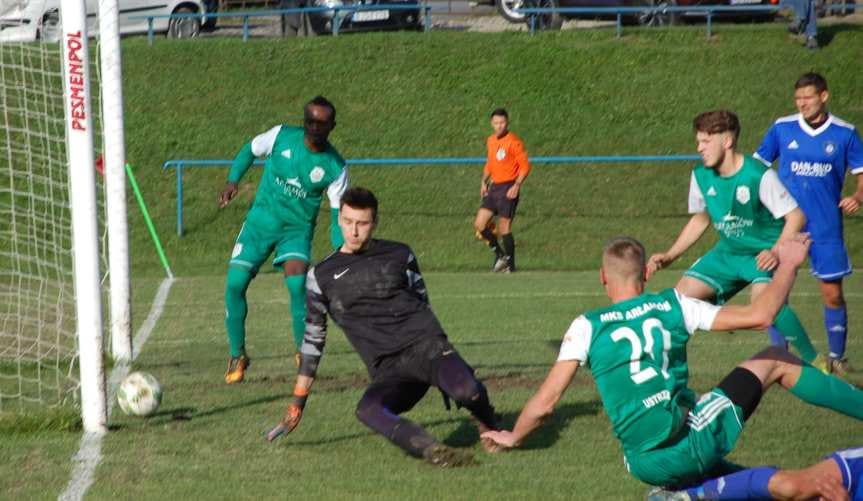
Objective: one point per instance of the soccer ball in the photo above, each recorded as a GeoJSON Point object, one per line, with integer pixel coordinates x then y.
{"type": "Point", "coordinates": [139, 394]}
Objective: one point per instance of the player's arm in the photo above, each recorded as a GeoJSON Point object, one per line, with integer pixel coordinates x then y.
{"type": "Point", "coordinates": [539, 407]}
{"type": "Point", "coordinates": [334, 196]}
{"type": "Point", "coordinates": [311, 351]}
{"type": "Point", "coordinates": [261, 145]}
{"type": "Point", "coordinates": [523, 169]}
{"type": "Point", "coordinates": [760, 313]}
{"type": "Point", "coordinates": [416, 283]}
{"type": "Point", "coordinates": [852, 203]}
{"type": "Point", "coordinates": [688, 236]}
{"type": "Point", "coordinates": [769, 148]}
{"type": "Point", "coordinates": [690, 233]}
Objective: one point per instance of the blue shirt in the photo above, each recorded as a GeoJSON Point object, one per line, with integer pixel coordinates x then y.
{"type": "Point", "coordinates": [812, 165]}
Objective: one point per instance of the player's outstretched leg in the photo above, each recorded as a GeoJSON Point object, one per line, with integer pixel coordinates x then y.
{"type": "Point", "coordinates": [456, 379]}
{"type": "Point", "coordinates": [379, 409]}
{"type": "Point", "coordinates": [775, 365]}
{"type": "Point", "coordinates": [236, 310]}
{"type": "Point", "coordinates": [792, 330]}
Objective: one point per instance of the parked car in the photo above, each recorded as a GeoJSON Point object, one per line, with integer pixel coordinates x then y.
{"type": "Point", "coordinates": [648, 18]}
{"type": "Point", "coordinates": [321, 23]}
{"type": "Point", "coordinates": [29, 20]}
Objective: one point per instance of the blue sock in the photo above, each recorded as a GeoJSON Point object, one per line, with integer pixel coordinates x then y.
{"type": "Point", "coordinates": [746, 484]}
{"type": "Point", "coordinates": [776, 337]}
{"type": "Point", "coordinates": [836, 323]}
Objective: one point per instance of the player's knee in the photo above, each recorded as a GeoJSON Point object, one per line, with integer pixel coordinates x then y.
{"type": "Point", "coordinates": [468, 392]}
{"type": "Point", "coordinates": [776, 354]}
{"type": "Point", "coordinates": [833, 297]}
{"type": "Point", "coordinates": [237, 282]}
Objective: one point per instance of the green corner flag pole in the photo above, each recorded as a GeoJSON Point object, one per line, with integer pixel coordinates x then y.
{"type": "Point", "coordinates": [148, 220]}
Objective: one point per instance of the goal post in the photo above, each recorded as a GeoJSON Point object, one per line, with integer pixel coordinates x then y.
{"type": "Point", "coordinates": [82, 195]}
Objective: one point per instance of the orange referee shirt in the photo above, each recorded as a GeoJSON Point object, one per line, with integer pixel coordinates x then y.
{"type": "Point", "coordinates": [506, 158]}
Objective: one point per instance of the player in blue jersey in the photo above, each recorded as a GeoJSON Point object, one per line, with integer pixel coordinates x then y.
{"type": "Point", "coordinates": [815, 149]}
{"type": "Point", "coordinates": [836, 478]}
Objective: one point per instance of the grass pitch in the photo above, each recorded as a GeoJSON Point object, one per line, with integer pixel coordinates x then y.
{"type": "Point", "coordinates": [207, 439]}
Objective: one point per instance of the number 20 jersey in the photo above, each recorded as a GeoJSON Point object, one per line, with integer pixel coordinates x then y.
{"type": "Point", "coordinates": [636, 351]}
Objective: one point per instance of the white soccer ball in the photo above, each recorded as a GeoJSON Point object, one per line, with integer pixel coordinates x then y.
{"type": "Point", "coordinates": [139, 394]}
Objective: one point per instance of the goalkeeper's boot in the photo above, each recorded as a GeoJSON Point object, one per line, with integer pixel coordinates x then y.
{"type": "Point", "coordinates": [660, 494]}
{"type": "Point", "coordinates": [236, 369]}
{"type": "Point", "coordinates": [444, 456]}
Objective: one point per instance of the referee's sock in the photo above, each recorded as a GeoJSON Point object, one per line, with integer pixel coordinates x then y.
{"type": "Point", "coordinates": [836, 323]}
{"type": "Point", "coordinates": [746, 484]}
{"type": "Point", "coordinates": [509, 249]}
{"type": "Point", "coordinates": [491, 240]}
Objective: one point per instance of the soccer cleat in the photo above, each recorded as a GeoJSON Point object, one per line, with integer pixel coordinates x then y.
{"type": "Point", "coordinates": [823, 364]}
{"type": "Point", "coordinates": [660, 494]}
{"type": "Point", "coordinates": [447, 457]}
{"type": "Point", "coordinates": [796, 26]}
{"type": "Point", "coordinates": [841, 367]}
{"type": "Point", "coordinates": [502, 265]}
{"type": "Point", "coordinates": [236, 369]}
{"type": "Point", "coordinates": [811, 43]}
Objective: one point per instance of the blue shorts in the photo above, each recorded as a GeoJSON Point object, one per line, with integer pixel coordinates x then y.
{"type": "Point", "coordinates": [850, 463]}
{"type": "Point", "coordinates": [829, 260]}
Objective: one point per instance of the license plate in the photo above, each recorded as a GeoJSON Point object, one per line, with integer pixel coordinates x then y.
{"type": "Point", "coordinates": [371, 15]}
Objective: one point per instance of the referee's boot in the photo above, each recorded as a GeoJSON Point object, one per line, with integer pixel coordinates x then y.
{"type": "Point", "coordinates": [236, 369]}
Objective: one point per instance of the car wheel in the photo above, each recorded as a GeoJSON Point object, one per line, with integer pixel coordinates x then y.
{"type": "Point", "coordinates": [506, 9]}
{"type": "Point", "coordinates": [49, 30]}
{"type": "Point", "coordinates": [550, 20]}
{"type": "Point", "coordinates": [184, 27]}
{"type": "Point", "coordinates": [658, 16]}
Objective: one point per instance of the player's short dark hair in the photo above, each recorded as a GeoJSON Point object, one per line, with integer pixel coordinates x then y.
{"type": "Point", "coordinates": [500, 112]}
{"type": "Point", "coordinates": [324, 102]}
{"type": "Point", "coordinates": [360, 198]}
{"type": "Point", "coordinates": [813, 79]}
{"type": "Point", "coordinates": [627, 250]}
{"type": "Point", "coordinates": [716, 122]}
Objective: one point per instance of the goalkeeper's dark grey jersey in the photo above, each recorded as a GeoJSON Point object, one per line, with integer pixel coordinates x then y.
{"type": "Point", "coordinates": [377, 297]}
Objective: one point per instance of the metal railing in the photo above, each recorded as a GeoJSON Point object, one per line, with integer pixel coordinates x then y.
{"type": "Point", "coordinates": [709, 10]}
{"type": "Point", "coordinates": [180, 166]}
{"type": "Point", "coordinates": [336, 10]}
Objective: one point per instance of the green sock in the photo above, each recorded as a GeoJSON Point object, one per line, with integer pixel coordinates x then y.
{"type": "Point", "coordinates": [819, 389]}
{"type": "Point", "coordinates": [236, 309]}
{"type": "Point", "coordinates": [792, 330]}
{"type": "Point", "coordinates": [296, 285]}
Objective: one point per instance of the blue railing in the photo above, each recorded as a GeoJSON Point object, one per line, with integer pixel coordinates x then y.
{"type": "Point", "coordinates": [180, 166]}
{"type": "Point", "coordinates": [336, 10]}
{"type": "Point", "coordinates": [708, 10]}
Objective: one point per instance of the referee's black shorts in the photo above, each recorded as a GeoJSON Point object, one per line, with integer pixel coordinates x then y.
{"type": "Point", "coordinates": [497, 202]}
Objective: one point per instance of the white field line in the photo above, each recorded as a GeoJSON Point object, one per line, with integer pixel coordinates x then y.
{"type": "Point", "coordinates": [90, 451]}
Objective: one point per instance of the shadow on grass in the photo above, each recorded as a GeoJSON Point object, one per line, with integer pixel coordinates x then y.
{"type": "Point", "coordinates": [827, 33]}
{"type": "Point", "coordinates": [466, 434]}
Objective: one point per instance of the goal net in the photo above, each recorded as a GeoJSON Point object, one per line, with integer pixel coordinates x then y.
{"type": "Point", "coordinates": [45, 349]}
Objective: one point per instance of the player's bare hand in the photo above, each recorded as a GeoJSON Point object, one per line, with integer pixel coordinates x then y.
{"type": "Point", "coordinates": [504, 439]}
{"type": "Point", "coordinates": [849, 204]}
{"type": "Point", "coordinates": [831, 489]}
{"type": "Point", "coordinates": [793, 251]}
{"type": "Point", "coordinates": [287, 424]}
{"type": "Point", "coordinates": [483, 189]}
{"type": "Point", "coordinates": [512, 192]}
{"type": "Point", "coordinates": [656, 262]}
{"type": "Point", "coordinates": [766, 260]}
{"type": "Point", "coordinates": [227, 194]}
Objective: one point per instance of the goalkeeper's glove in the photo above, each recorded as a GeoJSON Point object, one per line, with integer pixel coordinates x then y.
{"type": "Point", "coordinates": [292, 415]}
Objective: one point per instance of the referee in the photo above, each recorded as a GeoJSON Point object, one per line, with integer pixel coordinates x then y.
{"type": "Point", "coordinates": [373, 290]}
{"type": "Point", "coordinates": [506, 167]}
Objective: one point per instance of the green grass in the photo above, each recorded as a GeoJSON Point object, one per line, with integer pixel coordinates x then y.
{"type": "Point", "coordinates": [206, 441]}
{"type": "Point", "coordinates": [409, 95]}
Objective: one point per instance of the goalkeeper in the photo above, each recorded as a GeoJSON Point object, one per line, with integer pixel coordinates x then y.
{"type": "Point", "coordinates": [374, 291]}
{"type": "Point", "coordinates": [301, 165]}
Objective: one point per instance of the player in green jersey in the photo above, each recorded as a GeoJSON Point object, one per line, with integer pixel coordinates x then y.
{"type": "Point", "coordinates": [752, 211]}
{"type": "Point", "coordinates": [301, 167]}
{"type": "Point", "coordinates": [636, 351]}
